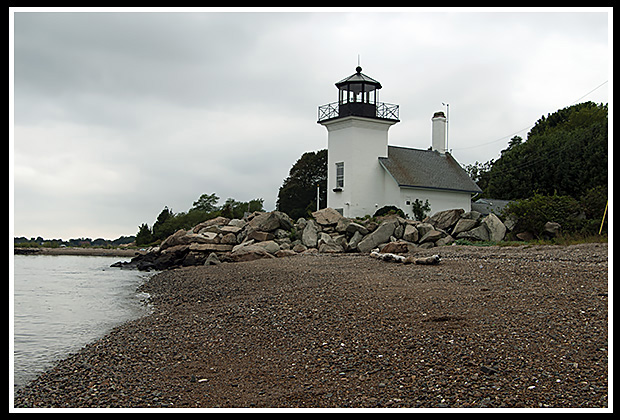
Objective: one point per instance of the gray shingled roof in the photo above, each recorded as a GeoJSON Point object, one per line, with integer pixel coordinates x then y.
{"type": "Point", "coordinates": [426, 169]}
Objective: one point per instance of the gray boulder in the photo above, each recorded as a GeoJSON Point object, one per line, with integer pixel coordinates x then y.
{"type": "Point", "coordinates": [464, 225]}
{"type": "Point", "coordinates": [327, 216]}
{"type": "Point", "coordinates": [496, 228]}
{"type": "Point", "coordinates": [446, 218]}
{"type": "Point", "coordinates": [378, 236]}
{"type": "Point", "coordinates": [480, 233]}
{"type": "Point", "coordinates": [410, 234]}
{"type": "Point", "coordinates": [309, 236]}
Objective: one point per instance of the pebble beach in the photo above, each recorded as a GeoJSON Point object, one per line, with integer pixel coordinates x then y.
{"type": "Point", "coordinates": [487, 327]}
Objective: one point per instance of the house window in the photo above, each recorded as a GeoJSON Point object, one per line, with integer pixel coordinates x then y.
{"type": "Point", "coordinates": [340, 175]}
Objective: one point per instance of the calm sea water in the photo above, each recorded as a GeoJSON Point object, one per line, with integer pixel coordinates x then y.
{"type": "Point", "coordinates": [63, 302]}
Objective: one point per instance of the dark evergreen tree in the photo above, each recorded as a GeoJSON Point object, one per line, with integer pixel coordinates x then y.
{"type": "Point", "coordinates": [298, 193]}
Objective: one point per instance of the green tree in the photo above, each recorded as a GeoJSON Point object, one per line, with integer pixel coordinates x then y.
{"type": "Point", "coordinates": [298, 193]}
{"type": "Point", "coordinates": [206, 203]}
{"type": "Point", "coordinates": [420, 209]}
{"type": "Point", "coordinates": [565, 153]}
{"type": "Point", "coordinates": [236, 209]}
{"type": "Point", "coordinates": [144, 235]}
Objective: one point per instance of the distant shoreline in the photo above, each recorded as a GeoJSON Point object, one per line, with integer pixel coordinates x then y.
{"type": "Point", "coordinates": [99, 252]}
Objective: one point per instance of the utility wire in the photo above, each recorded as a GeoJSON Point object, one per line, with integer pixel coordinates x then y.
{"type": "Point", "coordinates": [526, 128]}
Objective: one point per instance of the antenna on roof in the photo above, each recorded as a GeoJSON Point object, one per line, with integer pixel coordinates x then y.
{"type": "Point", "coordinates": [358, 60]}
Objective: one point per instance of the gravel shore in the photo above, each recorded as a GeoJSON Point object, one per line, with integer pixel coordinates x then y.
{"type": "Point", "coordinates": [487, 327]}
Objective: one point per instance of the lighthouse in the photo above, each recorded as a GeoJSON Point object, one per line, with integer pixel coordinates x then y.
{"type": "Point", "coordinates": [357, 135]}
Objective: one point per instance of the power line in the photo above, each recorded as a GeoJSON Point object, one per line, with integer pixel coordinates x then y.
{"type": "Point", "coordinates": [526, 128]}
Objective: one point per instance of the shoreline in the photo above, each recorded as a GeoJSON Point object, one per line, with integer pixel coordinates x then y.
{"type": "Point", "coordinates": [95, 252]}
{"type": "Point", "coordinates": [492, 327]}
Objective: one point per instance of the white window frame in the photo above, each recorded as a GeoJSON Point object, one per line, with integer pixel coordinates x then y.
{"type": "Point", "coordinates": [339, 174]}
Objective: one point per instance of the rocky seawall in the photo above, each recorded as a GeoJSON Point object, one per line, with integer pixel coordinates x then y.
{"type": "Point", "coordinates": [274, 234]}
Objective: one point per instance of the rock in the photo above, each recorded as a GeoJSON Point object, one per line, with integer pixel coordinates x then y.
{"type": "Point", "coordinates": [399, 247]}
{"type": "Point", "coordinates": [473, 215]}
{"type": "Point", "coordinates": [217, 221]}
{"type": "Point", "coordinates": [480, 233]}
{"type": "Point", "coordinates": [309, 237]}
{"type": "Point", "coordinates": [270, 246]}
{"type": "Point", "coordinates": [250, 251]}
{"type": "Point", "coordinates": [432, 236]}
{"type": "Point", "coordinates": [212, 259]}
{"type": "Point", "coordinates": [378, 236]}
{"type": "Point", "coordinates": [265, 222]}
{"type": "Point", "coordinates": [229, 238]}
{"type": "Point", "coordinates": [174, 239]}
{"type": "Point", "coordinates": [354, 242]}
{"type": "Point", "coordinates": [260, 236]}
{"type": "Point", "coordinates": [237, 223]}
{"type": "Point", "coordinates": [299, 248]}
{"type": "Point", "coordinates": [285, 253]}
{"type": "Point", "coordinates": [511, 222]}
{"type": "Point", "coordinates": [410, 234]}
{"type": "Point", "coordinates": [327, 244]}
{"type": "Point", "coordinates": [525, 236]}
{"type": "Point", "coordinates": [447, 240]}
{"type": "Point", "coordinates": [211, 247]}
{"type": "Point", "coordinates": [194, 258]}
{"type": "Point", "coordinates": [231, 229]}
{"type": "Point", "coordinates": [330, 248]}
{"type": "Point", "coordinates": [464, 225]}
{"type": "Point", "coordinates": [353, 227]}
{"type": "Point", "coordinates": [327, 216]}
{"type": "Point", "coordinates": [496, 228]}
{"type": "Point", "coordinates": [424, 228]}
{"type": "Point", "coordinates": [446, 218]}
{"type": "Point", "coordinates": [551, 229]}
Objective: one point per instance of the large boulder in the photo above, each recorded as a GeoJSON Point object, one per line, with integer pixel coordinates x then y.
{"type": "Point", "coordinates": [432, 236]}
{"type": "Point", "coordinates": [496, 228]}
{"type": "Point", "coordinates": [378, 236]}
{"type": "Point", "coordinates": [446, 218]}
{"type": "Point", "coordinates": [327, 216]}
{"type": "Point", "coordinates": [480, 233]}
{"type": "Point", "coordinates": [265, 222]}
{"type": "Point", "coordinates": [411, 233]}
{"type": "Point", "coordinates": [309, 236]}
{"type": "Point", "coordinates": [463, 225]}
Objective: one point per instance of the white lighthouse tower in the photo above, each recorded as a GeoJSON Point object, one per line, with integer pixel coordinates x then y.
{"type": "Point", "coordinates": [357, 126]}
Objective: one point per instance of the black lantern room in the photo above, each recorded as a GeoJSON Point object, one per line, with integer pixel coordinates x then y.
{"type": "Point", "coordinates": [358, 96]}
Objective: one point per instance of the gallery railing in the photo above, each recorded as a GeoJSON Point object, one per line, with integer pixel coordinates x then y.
{"type": "Point", "coordinates": [335, 110]}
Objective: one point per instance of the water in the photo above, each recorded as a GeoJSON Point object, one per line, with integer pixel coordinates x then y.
{"type": "Point", "coordinates": [63, 302]}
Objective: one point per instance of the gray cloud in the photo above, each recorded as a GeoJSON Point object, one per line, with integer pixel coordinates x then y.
{"type": "Point", "coordinates": [120, 114]}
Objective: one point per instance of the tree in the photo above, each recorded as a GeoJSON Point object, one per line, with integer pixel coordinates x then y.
{"type": "Point", "coordinates": [565, 153]}
{"type": "Point", "coordinates": [420, 210]}
{"type": "Point", "coordinates": [298, 193]}
{"type": "Point", "coordinates": [206, 203]}
{"type": "Point", "coordinates": [144, 235]}
{"type": "Point", "coordinates": [235, 209]}
{"type": "Point", "coordinates": [161, 227]}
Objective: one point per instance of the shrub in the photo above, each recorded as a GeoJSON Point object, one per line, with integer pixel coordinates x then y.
{"type": "Point", "coordinates": [532, 213]}
{"type": "Point", "coordinates": [385, 210]}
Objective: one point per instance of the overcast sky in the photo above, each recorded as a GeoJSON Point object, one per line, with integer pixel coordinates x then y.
{"type": "Point", "coordinates": [117, 115]}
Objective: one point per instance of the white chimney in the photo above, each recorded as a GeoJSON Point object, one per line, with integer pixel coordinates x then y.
{"type": "Point", "coordinates": [439, 132]}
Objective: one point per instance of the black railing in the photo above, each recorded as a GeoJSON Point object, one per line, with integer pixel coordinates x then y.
{"type": "Point", "coordinates": [333, 110]}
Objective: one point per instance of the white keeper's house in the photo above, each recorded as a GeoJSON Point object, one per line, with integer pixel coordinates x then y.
{"type": "Point", "coordinates": [364, 173]}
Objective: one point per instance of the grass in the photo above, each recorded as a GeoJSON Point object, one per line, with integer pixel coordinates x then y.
{"type": "Point", "coordinates": [565, 240]}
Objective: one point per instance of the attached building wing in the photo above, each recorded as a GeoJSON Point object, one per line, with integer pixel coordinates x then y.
{"type": "Point", "coordinates": [417, 168]}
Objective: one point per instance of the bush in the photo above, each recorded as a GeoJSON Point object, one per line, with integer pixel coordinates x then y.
{"type": "Point", "coordinates": [385, 210]}
{"type": "Point", "coordinates": [532, 213]}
